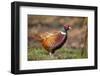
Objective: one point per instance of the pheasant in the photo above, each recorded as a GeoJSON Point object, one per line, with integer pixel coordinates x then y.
{"type": "Point", "coordinates": [52, 41]}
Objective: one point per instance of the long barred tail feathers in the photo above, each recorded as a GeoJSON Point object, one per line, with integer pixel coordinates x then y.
{"type": "Point", "coordinates": [34, 37]}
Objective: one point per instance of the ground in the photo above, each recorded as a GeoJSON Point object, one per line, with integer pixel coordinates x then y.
{"type": "Point", "coordinates": [63, 53]}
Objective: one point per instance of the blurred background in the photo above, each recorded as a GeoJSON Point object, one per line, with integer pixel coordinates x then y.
{"type": "Point", "coordinates": [77, 37]}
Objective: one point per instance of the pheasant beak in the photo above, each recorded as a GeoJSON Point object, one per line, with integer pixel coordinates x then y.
{"type": "Point", "coordinates": [70, 28]}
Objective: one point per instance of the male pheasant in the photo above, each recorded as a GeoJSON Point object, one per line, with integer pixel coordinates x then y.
{"type": "Point", "coordinates": [54, 40]}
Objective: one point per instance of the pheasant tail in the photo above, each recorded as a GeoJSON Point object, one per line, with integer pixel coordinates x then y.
{"type": "Point", "coordinates": [34, 37]}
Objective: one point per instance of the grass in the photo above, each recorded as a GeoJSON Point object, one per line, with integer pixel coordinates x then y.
{"type": "Point", "coordinates": [63, 53]}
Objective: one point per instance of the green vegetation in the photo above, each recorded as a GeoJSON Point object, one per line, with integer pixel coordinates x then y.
{"type": "Point", "coordinates": [63, 53]}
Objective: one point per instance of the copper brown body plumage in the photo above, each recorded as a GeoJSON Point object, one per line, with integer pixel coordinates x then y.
{"type": "Point", "coordinates": [52, 41]}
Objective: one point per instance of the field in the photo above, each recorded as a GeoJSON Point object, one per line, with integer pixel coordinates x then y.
{"type": "Point", "coordinates": [63, 53]}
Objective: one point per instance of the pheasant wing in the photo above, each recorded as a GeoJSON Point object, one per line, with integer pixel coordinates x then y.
{"type": "Point", "coordinates": [53, 40]}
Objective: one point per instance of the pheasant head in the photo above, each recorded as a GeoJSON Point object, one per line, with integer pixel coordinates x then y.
{"type": "Point", "coordinates": [67, 27]}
